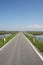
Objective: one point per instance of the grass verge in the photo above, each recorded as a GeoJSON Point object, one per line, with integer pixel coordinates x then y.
{"type": "Point", "coordinates": [2, 43]}
{"type": "Point", "coordinates": [37, 43]}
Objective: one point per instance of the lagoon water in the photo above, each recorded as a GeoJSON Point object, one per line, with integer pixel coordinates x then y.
{"type": "Point", "coordinates": [40, 37]}
{"type": "Point", "coordinates": [6, 35]}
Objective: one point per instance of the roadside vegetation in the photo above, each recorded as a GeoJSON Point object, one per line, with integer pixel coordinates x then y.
{"type": "Point", "coordinates": [35, 32]}
{"type": "Point", "coordinates": [2, 43]}
{"type": "Point", "coordinates": [37, 43]}
{"type": "Point", "coordinates": [7, 32]}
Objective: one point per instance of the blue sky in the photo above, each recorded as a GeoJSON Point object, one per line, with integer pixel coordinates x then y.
{"type": "Point", "coordinates": [21, 14]}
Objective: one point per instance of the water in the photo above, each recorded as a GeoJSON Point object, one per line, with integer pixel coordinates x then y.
{"type": "Point", "coordinates": [40, 37]}
{"type": "Point", "coordinates": [6, 35]}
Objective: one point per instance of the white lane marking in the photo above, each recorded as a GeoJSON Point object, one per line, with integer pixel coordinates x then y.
{"type": "Point", "coordinates": [41, 57]}
{"type": "Point", "coordinates": [7, 43]}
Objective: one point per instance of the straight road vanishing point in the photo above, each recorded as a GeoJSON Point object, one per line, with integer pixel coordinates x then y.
{"type": "Point", "coordinates": [19, 52]}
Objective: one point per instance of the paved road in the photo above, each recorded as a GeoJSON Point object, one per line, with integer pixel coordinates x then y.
{"type": "Point", "coordinates": [19, 52]}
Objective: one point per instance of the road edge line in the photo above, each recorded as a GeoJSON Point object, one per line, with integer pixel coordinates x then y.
{"type": "Point", "coordinates": [7, 43]}
{"type": "Point", "coordinates": [40, 56]}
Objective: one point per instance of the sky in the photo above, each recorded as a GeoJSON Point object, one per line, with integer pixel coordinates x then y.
{"type": "Point", "coordinates": [21, 14]}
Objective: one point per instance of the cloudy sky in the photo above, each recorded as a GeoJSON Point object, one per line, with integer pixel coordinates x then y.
{"type": "Point", "coordinates": [35, 27]}
{"type": "Point", "coordinates": [21, 15]}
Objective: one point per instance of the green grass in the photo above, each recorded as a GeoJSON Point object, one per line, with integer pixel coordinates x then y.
{"type": "Point", "coordinates": [35, 32]}
{"type": "Point", "coordinates": [37, 43]}
{"type": "Point", "coordinates": [2, 43]}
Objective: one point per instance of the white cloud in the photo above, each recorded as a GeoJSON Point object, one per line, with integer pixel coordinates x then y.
{"type": "Point", "coordinates": [36, 26]}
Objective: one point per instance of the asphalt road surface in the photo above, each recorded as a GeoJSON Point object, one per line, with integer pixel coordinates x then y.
{"type": "Point", "coordinates": [19, 52]}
